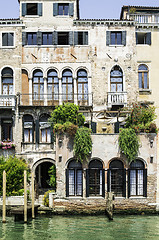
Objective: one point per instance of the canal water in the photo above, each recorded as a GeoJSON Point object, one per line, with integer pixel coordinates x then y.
{"type": "Point", "coordinates": [82, 228]}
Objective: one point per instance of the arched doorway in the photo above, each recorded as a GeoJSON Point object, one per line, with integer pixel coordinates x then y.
{"type": "Point", "coordinates": [45, 176]}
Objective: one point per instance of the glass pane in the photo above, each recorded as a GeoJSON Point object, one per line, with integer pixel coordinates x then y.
{"type": "Point", "coordinates": [119, 41]}
{"type": "Point", "coordinates": [34, 39]}
{"type": "Point", "coordinates": [66, 10]}
{"type": "Point", "coordinates": [67, 73]}
{"type": "Point", "coordinates": [10, 89]}
{"type": "Point", "coordinates": [5, 89]}
{"type": "Point", "coordinates": [7, 80]}
{"type": "Point", "coordinates": [56, 92]}
{"type": "Point", "coordinates": [113, 87]}
{"type": "Point", "coordinates": [140, 80]}
{"type": "Point", "coordinates": [60, 10]}
{"type": "Point", "coordinates": [29, 39]}
{"type": "Point", "coordinates": [43, 135]}
{"type": "Point", "coordinates": [143, 67]}
{"type": "Point", "coordinates": [44, 39]}
{"type": "Point", "coordinates": [71, 182]}
{"type": "Point", "coordinates": [119, 87]}
{"type": "Point", "coordinates": [48, 135]}
{"type": "Point", "coordinates": [116, 73]}
{"type": "Point", "coordinates": [79, 182]}
{"type": "Point", "coordinates": [132, 182]}
{"type": "Point", "coordinates": [112, 38]}
{"type": "Point", "coordinates": [26, 135]}
{"type": "Point", "coordinates": [82, 73]}
{"type": "Point", "coordinates": [145, 81]}
{"type": "Point", "coordinates": [140, 182]}
{"type": "Point", "coordinates": [64, 92]}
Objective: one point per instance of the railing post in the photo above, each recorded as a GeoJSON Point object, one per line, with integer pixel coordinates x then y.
{"type": "Point", "coordinates": [25, 196]}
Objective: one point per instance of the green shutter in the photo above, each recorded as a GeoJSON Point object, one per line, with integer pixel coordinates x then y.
{"type": "Point", "coordinates": [103, 183]}
{"type": "Point", "coordinates": [55, 9]}
{"type": "Point", "coordinates": [39, 38]}
{"type": "Point", "coordinates": [75, 38]}
{"type": "Point", "coordinates": [24, 9]}
{"type": "Point", "coordinates": [71, 38]}
{"type": "Point", "coordinates": [71, 9]}
{"type": "Point", "coordinates": [148, 38]}
{"type": "Point", "coordinates": [4, 39]}
{"type": "Point", "coordinates": [85, 38]}
{"type": "Point", "coordinates": [55, 38]}
{"type": "Point", "coordinates": [67, 182]}
{"type": "Point", "coordinates": [40, 9]}
{"type": "Point", "coordinates": [124, 38]}
{"type": "Point", "coordinates": [24, 35]}
{"type": "Point", "coordinates": [108, 38]}
{"type": "Point", "coordinates": [87, 182]}
{"type": "Point", "coordinates": [37, 131]}
{"type": "Point", "coordinates": [136, 34]}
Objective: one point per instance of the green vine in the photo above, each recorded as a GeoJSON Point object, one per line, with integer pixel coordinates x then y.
{"type": "Point", "coordinates": [82, 144]}
{"type": "Point", "coordinates": [129, 143]}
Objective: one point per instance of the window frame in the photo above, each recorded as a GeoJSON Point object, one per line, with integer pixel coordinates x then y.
{"type": "Point", "coordinates": [6, 32]}
{"type": "Point", "coordinates": [84, 98]}
{"type": "Point", "coordinates": [59, 35]}
{"type": "Point", "coordinates": [47, 34]}
{"type": "Point", "coordinates": [7, 84]}
{"type": "Point", "coordinates": [29, 132]}
{"type": "Point", "coordinates": [142, 73]}
{"type": "Point", "coordinates": [32, 38]}
{"type": "Point", "coordinates": [54, 98]}
{"type": "Point", "coordinates": [40, 97]}
{"type": "Point", "coordinates": [66, 96]}
{"type": "Point", "coordinates": [116, 83]}
{"type": "Point", "coordinates": [63, 10]}
{"type": "Point", "coordinates": [44, 119]}
{"type": "Point", "coordinates": [10, 129]}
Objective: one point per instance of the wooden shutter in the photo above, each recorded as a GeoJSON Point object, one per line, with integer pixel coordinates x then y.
{"type": "Point", "coordinates": [37, 131]}
{"type": "Point", "coordinates": [124, 38]}
{"type": "Point", "coordinates": [108, 33]}
{"type": "Point", "coordinates": [103, 183]}
{"type": "Point", "coordinates": [145, 182]}
{"type": "Point", "coordinates": [136, 37]}
{"type": "Point", "coordinates": [71, 9]}
{"type": "Point", "coordinates": [55, 38]}
{"type": "Point", "coordinates": [39, 38]}
{"type": "Point", "coordinates": [85, 38]}
{"type": "Point", "coordinates": [116, 127]}
{"type": "Point", "coordinates": [10, 39]}
{"type": "Point", "coordinates": [129, 183]}
{"type": "Point", "coordinates": [75, 38]}
{"type": "Point", "coordinates": [93, 127]}
{"type": "Point", "coordinates": [55, 9]}
{"type": "Point", "coordinates": [4, 39]}
{"type": "Point", "coordinates": [71, 38]}
{"type": "Point", "coordinates": [40, 9]}
{"type": "Point", "coordinates": [67, 182]}
{"type": "Point", "coordinates": [87, 182]}
{"type": "Point", "coordinates": [124, 182]}
{"type": "Point", "coordinates": [108, 180]}
{"type": "Point", "coordinates": [24, 35]}
{"type": "Point", "coordinates": [24, 7]}
{"type": "Point", "coordinates": [148, 38]}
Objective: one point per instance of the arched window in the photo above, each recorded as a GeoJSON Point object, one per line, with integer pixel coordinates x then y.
{"type": "Point", "coordinates": [143, 76]}
{"type": "Point", "coordinates": [45, 130]}
{"type": "Point", "coordinates": [7, 81]}
{"type": "Point", "coordinates": [74, 179]}
{"type": "Point", "coordinates": [116, 79]}
{"type": "Point", "coordinates": [67, 86]}
{"type": "Point", "coordinates": [82, 87]}
{"type": "Point", "coordinates": [137, 179]}
{"type": "Point", "coordinates": [38, 85]}
{"type": "Point", "coordinates": [95, 179]}
{"type": "Point", "coordinates": [117, 178]}
{"type": "Point", "coordinates": [52, 86]}
{"type": "Point", "coordinates": [28, 129]}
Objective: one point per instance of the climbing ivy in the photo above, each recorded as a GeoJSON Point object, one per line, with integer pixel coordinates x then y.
{"type": "Point", "coordinates": [82, 144]}
{"type": "Point", "coordinates": [52, 176]}
{"type": "Point", "coordinates": [129, 143]}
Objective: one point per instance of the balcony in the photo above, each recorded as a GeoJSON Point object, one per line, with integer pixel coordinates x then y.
{"type": "Point", "coordinates": [117, 98]}
{"type": "Point", "coordinates": [8, 101]}
{"type": "Point", "coordinates": [54, 99]}
{"type": "Point", "coordinates": [144, 18]}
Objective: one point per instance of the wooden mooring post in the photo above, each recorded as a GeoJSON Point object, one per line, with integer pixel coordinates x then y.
{"type": "Point", "coordinates": [25, 196]}
{"type": "Point", "coordinates": [33, 195]}
{"type": "Point", "coordinates": [109, 205]}
{"type": "Point", "coordinates": [4, 197]}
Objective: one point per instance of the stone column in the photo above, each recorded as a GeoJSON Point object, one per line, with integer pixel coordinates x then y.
{"type": "Point", "coordinates": [84, 183]}
{"type": "Point", "coordinates": [45, 91]}
{"type": "Point", "coordinates": [75, 91]}
{"type": "Point", "coordinates": [60, 91]}
{"type": "Point", "coordinates": [89, 92]}
{"type": "Point", "coordinates": [30, 91]}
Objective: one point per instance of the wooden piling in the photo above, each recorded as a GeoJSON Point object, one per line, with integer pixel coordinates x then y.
{"type": "Point", "coordinates": [33, 194]}
{"type": "Point", "coordinates": [109, 205]}
{"type": "Point", "coordinates": [25, 196]}
{"type": "Point", "coordinates": [4, 197]}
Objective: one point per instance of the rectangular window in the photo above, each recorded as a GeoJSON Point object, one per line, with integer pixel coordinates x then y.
{"type": "Point", "coordinates": [63, 38]}
{"type": "Point", "coordinates": [6, 130]}
{"type": "Point", "coordinates": [63, 9]}
{"type": "Point", "coordinates": [143, 38]}
{"type": "Point", "coordinates": [32, 9]}
{"type": "Point", "coordinates": [31, 39]}
{"type": "Point", "coordinates": [46, 38]}
{"type": "Point", "coordinates": [7, 39]}
{"type": "Point", "coordinates": [116, 38]}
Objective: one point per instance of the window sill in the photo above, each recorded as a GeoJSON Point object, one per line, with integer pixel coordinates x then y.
{"type": "Point", "coordinates": [7, 47]}
{"type": "Point", "coordinates": [143, 44]}
{"type": "Point", "coordinates": [111, 45]}
{"type": "Point", "coordinates": [145, 91]}
{"type": "Point", "coordinates": [137, 197]}
{"type": "Point", "coordinates": [32, 16]}
{"type": "Point", "coordinates": [95, 197]}
{"type": "Point", "coordinates": [118, 198]}
{"type": "Point", "coordinates": [75, 197]}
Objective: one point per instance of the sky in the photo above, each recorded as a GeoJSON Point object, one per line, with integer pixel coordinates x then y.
{"type": "Point", "coordinates": [106, 9]}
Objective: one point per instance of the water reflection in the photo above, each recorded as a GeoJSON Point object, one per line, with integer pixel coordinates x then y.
{"type": "Point", "coordinates": [81, 228]}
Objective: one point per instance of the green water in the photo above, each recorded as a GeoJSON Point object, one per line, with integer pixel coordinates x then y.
{"type": "Point", "coordinates": [82, 228]}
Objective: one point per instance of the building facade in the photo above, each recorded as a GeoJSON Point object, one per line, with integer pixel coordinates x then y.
{"type": "Point", "coordinates": [50, 56]}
